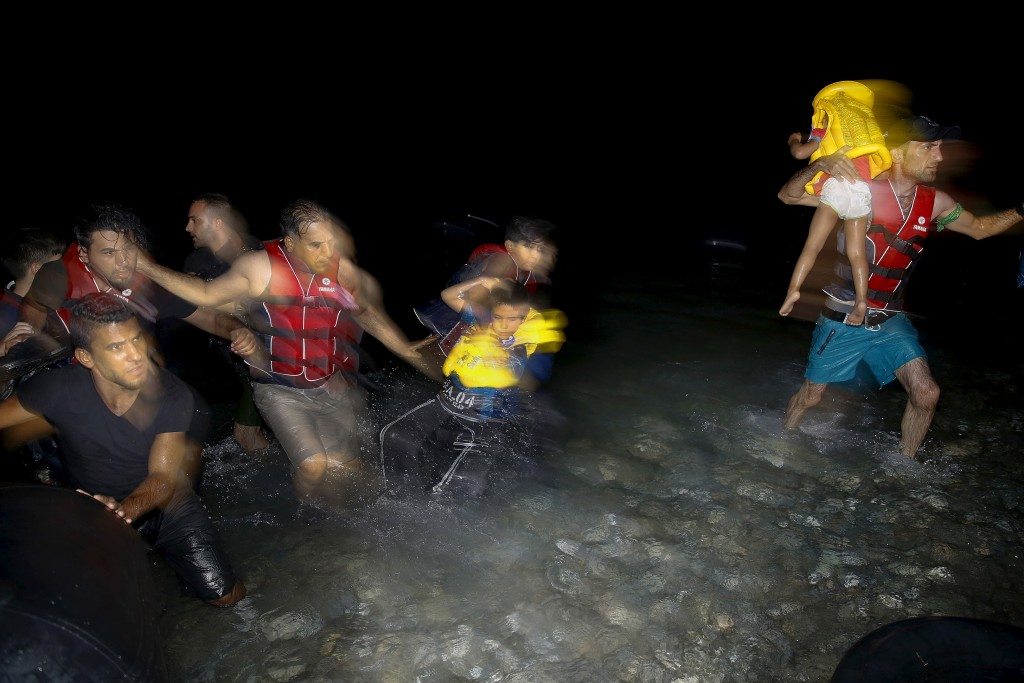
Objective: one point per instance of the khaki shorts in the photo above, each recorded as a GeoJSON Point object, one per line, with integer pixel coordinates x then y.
{"type": "Point", "coordinates": [312, 421]}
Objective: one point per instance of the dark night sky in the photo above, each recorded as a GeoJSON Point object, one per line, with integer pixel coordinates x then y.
{"type": "Point", "coordinates": [643, 147]}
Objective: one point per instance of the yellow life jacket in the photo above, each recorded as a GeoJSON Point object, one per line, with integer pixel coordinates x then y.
{"type": "Point", "coordinates": [479, 359]}
{"type": "Point", "coordinates": [847, 105]}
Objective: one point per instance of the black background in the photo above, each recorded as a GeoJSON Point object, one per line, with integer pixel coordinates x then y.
{"type": "Point", "coordinates": [638, 144]}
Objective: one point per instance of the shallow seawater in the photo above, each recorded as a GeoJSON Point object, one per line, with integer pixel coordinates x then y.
{"type": "Point", "coordinates": [670, 530]}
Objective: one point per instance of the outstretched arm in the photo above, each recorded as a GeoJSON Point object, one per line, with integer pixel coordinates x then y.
{"type": "Point", "coordinates": [965, 222]}
{"type": "Point", "coordinates": [248, 276]}
{"type": "Point", "coordinates": [214, 322]}
{"type": "Point", "coordinates": [372, 317]}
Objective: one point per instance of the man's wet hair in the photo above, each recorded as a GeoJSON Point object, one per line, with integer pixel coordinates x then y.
{"type": "Point", "coordinates": [509, 293]}
{"type": "Point", "coordinates": [529, 230]}
{"type": "Point", "coordinates": [225, 210]}
{"type": "Point", "coordinates": [28, 246]}
{"type": "Point", "coordinates": [300, 214]}
{"type": "Point", "coordinates": [113, 217]}
{"type": "Point", "coordinates": [95, 310]}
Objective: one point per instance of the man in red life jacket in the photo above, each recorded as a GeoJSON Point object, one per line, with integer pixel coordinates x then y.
{"type": "Point", "coordinates": [103, 259]}
{"type": "Point", "coordinates": [904, 212]}
{"type": "Point", "coordinates": [313, 302]}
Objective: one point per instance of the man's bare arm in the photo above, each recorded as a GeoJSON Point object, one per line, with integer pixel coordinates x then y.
{"type": "Point", "coordinates": [837, 165]}
{"type": "Point", "coordinates": [13, 413]}
{"type": "Point", "coordinates": [374, 319]}
{"type": "Point", "coordinates": [248, 276]}
{"type": "Point", "coordinates": [978, 227]}
{"type": "Point", "coordinates": [456, 295]}
{"type": "Point", "coordinates": [214, 322]}
{"type": "Point", "coordinates": [166, 456]}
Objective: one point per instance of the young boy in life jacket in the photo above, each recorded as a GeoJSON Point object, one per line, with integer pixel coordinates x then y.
{"type": "Point", "coordinates": [454, 438]}
{"type": "Point", "coordinates": [843, 120]}
{"type": "Point", "coordinates": [527, 256]}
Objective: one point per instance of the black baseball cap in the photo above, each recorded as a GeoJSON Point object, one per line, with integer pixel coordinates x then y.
{"type": "Point", "coordinates": [921, 129]}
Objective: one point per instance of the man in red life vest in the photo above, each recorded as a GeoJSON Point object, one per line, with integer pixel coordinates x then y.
{"type": "Point", "coordinates": [904, 212]}
{"type": "Point", "coordinates": [312, 303]}
{"type": "Point", "coordinates": [103, 258]}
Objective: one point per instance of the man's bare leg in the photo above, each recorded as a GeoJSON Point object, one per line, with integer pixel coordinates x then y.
{"type": "Point", "coordinates": [923, 393]}
{"type": "Point", "coordinates": [250, 438]}
{"type": "Point", "coordinates": [807, 397]}
{"type": "Point", "coordinates": [236, 593]}
{"type": "Point", "coordinates": [309, 475]}
{"type": "Point", "coordinates": [349, 481]}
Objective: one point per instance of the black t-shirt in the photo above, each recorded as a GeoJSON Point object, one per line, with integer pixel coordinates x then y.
{"type": "Point", "coordinates": [102, 452]}
{"type": "Point", "coordinates": [51, 285]}
{"type": "Point", "coordinates": [207, 265]}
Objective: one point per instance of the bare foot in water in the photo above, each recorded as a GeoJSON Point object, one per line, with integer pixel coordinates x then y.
{"type": "Point", "coordinates": [250, 438]}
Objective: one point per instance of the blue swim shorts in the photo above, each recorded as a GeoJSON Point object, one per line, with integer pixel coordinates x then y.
{"type": "Point", "coordinates": [837, 348]}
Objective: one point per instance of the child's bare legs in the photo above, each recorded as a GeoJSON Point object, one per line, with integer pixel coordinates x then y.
{"type": "Point", "coordinates": [856, 316]}
{"type": "Point", "coordinates": [791, 298]}
{"type": "Point", "coordinates": [856, 231]}
{"type": "Point", "coordinates": [821, 225]}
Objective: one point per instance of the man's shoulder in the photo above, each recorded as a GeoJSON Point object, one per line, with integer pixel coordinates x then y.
{"type": "Point", "coordinates": [65, 381]}
{"type": "Point", "coordinates": [53, 275]}
{"type": "Point", "coordinates": [170, 383]}
{"type": "Point", "coordinates": [252, 243]}
{"type": "Point", "coordinates": [55, 266]}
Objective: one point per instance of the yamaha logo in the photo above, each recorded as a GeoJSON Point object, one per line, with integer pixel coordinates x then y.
{"type": "Point", "coordinates": [326, 281]}
{"type": "Point", "coordinates": [920, 220]}
{"type": "Point", "coordinates": [126, 292]}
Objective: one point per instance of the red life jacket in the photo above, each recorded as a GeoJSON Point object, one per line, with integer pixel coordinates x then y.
{"type": "Point", "coordinates": [475, 266]}
{"type": "Point", "coordinates": [81, 281]}
{"type": "Point", "coordinates": [479, 257]}
{"type": "Point", "coordinates": [894, 244]}
{"type": "Point", "coordinates": [309, 325]}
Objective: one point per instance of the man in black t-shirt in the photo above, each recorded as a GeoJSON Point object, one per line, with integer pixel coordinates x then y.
{"type": "Point", "coordinates": [220, 234]}
{"type": "Point", "coordinates": [121, 423]}
{"type": "Point", "coordinates": [103, 258]}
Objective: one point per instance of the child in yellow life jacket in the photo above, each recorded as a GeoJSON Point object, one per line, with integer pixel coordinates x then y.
{"type": "Point", "coordinates": [461, 428]}
{"type": "Point", "coordinates": [843, 120]}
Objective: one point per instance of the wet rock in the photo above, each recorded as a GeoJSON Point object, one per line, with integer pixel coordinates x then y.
{"type": "Point", "coordinates": [286, 673]}
{"type": "Point", "coordinates": [649, 448]}
{"type": "Point", "coordinates": [891, 601]}
{"type": "Point", "coordinates": [289, 624]}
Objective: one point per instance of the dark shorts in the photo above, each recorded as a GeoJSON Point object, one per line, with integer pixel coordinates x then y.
{"type": "Point", "coordinates": [430, 448]}
{"type": "Point", "coordinates": [199, 427]}
{"type": "Point", "coordinates": [184, 535]}
{"type": "Point", "coordinates": [837, 348]}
